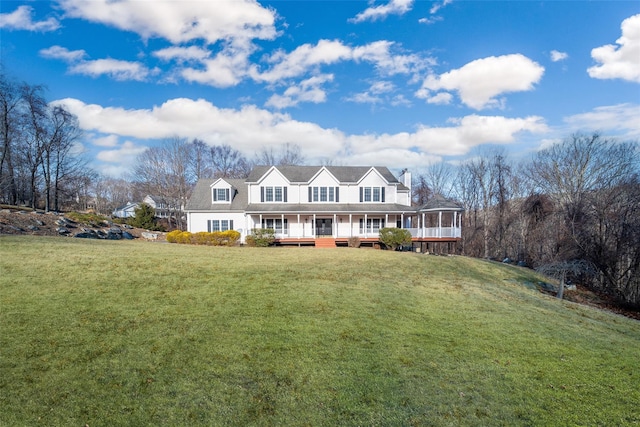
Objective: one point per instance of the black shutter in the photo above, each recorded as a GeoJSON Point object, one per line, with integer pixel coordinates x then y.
{"type": "Point", "coordinates": [337, 194]}
{"type": "Point", "coordinates": [310, 196]}
{"type": "Point", "coordinates": [361, 194]}
{"type": "Point", "coordinates": [226, 193]}
{"type": "Point", "coordinates": [230, 224]}
{"type": "Point", "coordinates": [209, 226]}
{"type": "Point", "coordinates": [215, 195]}
{"type": "Point", "coordinates": [262, 194]}
{"type": "Point", "coordinates": [382, 194]}
{"type": "Point", "coordinates": [284, 190]}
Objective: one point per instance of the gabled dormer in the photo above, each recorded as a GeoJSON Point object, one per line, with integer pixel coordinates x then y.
{"type": "Point", "coordinates": [372, 187]}
{"type": "Point", "coordinates": [222, 192]}
{"type": "Point", "coordinates": [323, 187]}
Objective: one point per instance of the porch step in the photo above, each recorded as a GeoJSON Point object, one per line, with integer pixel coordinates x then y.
{"type": "Point", "coordinates": [325, 243]}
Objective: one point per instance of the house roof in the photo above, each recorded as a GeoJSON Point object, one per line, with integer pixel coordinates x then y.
{"type": "Point", "coordinates": [439, 203]}
{"type": "Point", "coordinates": [200, 199]}
{"type": "Point", "coordinates": [344, 174]}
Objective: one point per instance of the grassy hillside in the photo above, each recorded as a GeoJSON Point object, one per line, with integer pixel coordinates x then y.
{"type": "Point", "coordinates": [131, 333]}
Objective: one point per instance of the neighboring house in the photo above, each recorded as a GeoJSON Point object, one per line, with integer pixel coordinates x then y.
{"type": "Point", "coordinates": [126, 211]}
{"type": "Point", "coordinates": [161, 207]}
{"type": "Point", "coordinates": [320, 205]}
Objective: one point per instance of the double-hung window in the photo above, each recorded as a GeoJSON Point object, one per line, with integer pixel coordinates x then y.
{"type": "Point", "coordinates": [221, 195]}
{"type": "Point", "coordinates": [273, 194]}
{"type": "Point", "coordinates": [372, 194]}
{"type": "Point", "coordinates": [324, 194]}
{"type": "Point", "coordinates": [219, 225]}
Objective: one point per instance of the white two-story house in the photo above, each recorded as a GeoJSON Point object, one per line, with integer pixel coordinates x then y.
{"type": "Point", "coordinates": [305, 204]}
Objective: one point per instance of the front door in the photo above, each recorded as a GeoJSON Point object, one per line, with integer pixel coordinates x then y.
{"type": "Point", "coordinates": [324, 227]}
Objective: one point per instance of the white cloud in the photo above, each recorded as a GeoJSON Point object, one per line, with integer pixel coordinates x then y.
{"type": "Point", "coordinates": [116, 69]}
{"type": "Point", "coordinates": [21, 19]}
{"type": "Point", "coordinates": [106, 141]}
{"type": "Point", "coordinates": [309, 90]}
{"type": "Point", "coordinates": [303, 58]}
{"type": "Point", "coordinates": [374, 13]}
{"type": "Point", "coordinates": [463, 134]}
{"type": "Point", "coordinates": [558, 56]}
{"type": "Point", "coordinates": [620, 120]}
{"type": "Point", "coordinates": [437, 6]}
{"type": "Point", "coordinates": [621, 61]}
{"type": "Point", "coordinates": [226, 69]}
{"type": "Point", "coordinates": [249, 129]}
{"type": "Point", "coordinates": [326, 52]}
{"type": "Point", "coordinates": [441, 98]}
{"type": "Point", "coordinates": [479, 82]}
{"type": "Point", "coordinates": [128, 150]}
{"type": "Point", "coordinates": [180, 21]}
{"type": "Point", "coordinates": [431, 20]}
{"type": "Point", "coordinates": [59, 52]}
{"type": "Point", "coordinates": [373, 94]}
{"type": "Point", "coordinates": [180, 54]}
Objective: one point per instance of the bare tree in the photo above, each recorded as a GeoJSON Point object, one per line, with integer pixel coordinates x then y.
{"type": "Point", "coordinates": [286, 155]}
{"type": "Point", "coordinates": [9, 107]}
{"type": "Point", "coordinates": [439, 177]}
{"type": "Point", "coordinates": [227, 162]}
{"type": "Point", "coordinates": [164, 172]}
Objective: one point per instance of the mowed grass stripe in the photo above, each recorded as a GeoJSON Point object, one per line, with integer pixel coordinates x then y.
{"type": "Point", "coordinates": [134, 333]}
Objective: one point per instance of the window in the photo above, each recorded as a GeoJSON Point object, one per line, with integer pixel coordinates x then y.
{"type": "Point", "coordinates": [275, 224]}
{"type": "Point", "coordinates": [324, 194]}
{"type": "Point", "coordinates": [219, 225]}
{"type": "Point", "coordinates": [221, 195]}
{"type": "Point", "coordinates": [273, 194]}
{"type": "Point", "coordinates": [373, 225]}
{"type": "Point", "coordinates": [372, 194]}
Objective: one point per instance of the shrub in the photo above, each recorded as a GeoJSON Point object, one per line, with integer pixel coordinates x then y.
{"type": "Point", "coordinates": [394, 237]}
{"type": "Point", "coordinates": [354, 242]}
{"type": "Point", "coordinates": [145, 217]}
{"type": "Point", "coordinates": [215, 238]}
{"type": "Point", "coordinates": [261, 237]}
{"type": "Point", "coordinates": [172, 236]}
{"type": "Point", "coordinates": [230, 237]}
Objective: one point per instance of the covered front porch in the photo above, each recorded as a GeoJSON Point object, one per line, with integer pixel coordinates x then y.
{"type": "Point", "coordinates": [425, 226]}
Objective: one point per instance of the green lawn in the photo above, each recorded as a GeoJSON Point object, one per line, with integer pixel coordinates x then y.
{"type": "Point", "coordinates": [131, 333]}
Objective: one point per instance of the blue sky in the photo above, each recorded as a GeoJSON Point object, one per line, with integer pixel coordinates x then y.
{"type": "Point", "coordinates": [399, 83]}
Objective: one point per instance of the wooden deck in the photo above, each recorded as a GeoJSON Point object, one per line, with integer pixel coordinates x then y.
{"type": "Point", "coordinates": [444, 245]}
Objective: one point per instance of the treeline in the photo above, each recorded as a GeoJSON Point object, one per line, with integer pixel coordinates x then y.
{"type": "Point", "coordinates": [39, 162]}
{"type": "Point", "coordinates": [576, 203]}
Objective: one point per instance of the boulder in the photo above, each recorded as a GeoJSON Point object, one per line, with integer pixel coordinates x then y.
{"type": "Point", "coordinates": [150, 236]}
{"type": "Point", "coordinates": [126, 235]}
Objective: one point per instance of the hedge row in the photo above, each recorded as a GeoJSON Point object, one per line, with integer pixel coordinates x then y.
{"type": "Point", "coordinates": [215, 238]}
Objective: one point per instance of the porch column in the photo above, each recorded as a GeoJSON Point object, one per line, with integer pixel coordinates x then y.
{"type": "Point", "coordinates": [386, 220]}
{"type": "Point", "coordinates": [402, 220]}
{"type": "Point", "coordinates": [365, 225]}
{"type": "Point", "coordinates": [313, 226]}
{"type": "Point", "coordinates": [350, 225]}
{"type": "Point", "coordinates": [299, 226]}
{"type": "Point", "coordinates": [334, 229]}
{"type": "Point", "coordinates": [260, 220]}
{"type": "Point", "coordinates": [282, 222]}
{"type": "Point", "coordinates": [422, 229]}
{"type": "Point", "coordinates": [440, 224]}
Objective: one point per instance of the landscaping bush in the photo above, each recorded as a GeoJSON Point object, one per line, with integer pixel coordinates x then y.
{"type": "Point", "coordinates": [215, 238]}
{"type": "Point", "coordinates": [261, 237]}
{"type": "Point", "coordinates": [394, 237]}
{"type": "Point", "coordinates": [172, 236]}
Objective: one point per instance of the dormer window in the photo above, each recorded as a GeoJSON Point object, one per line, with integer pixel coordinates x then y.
{"type": "Point", "coordinates": [221, 195]}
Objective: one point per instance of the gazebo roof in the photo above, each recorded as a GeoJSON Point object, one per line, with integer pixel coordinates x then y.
{"type": "Point", "coordinates": [439, 203]}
